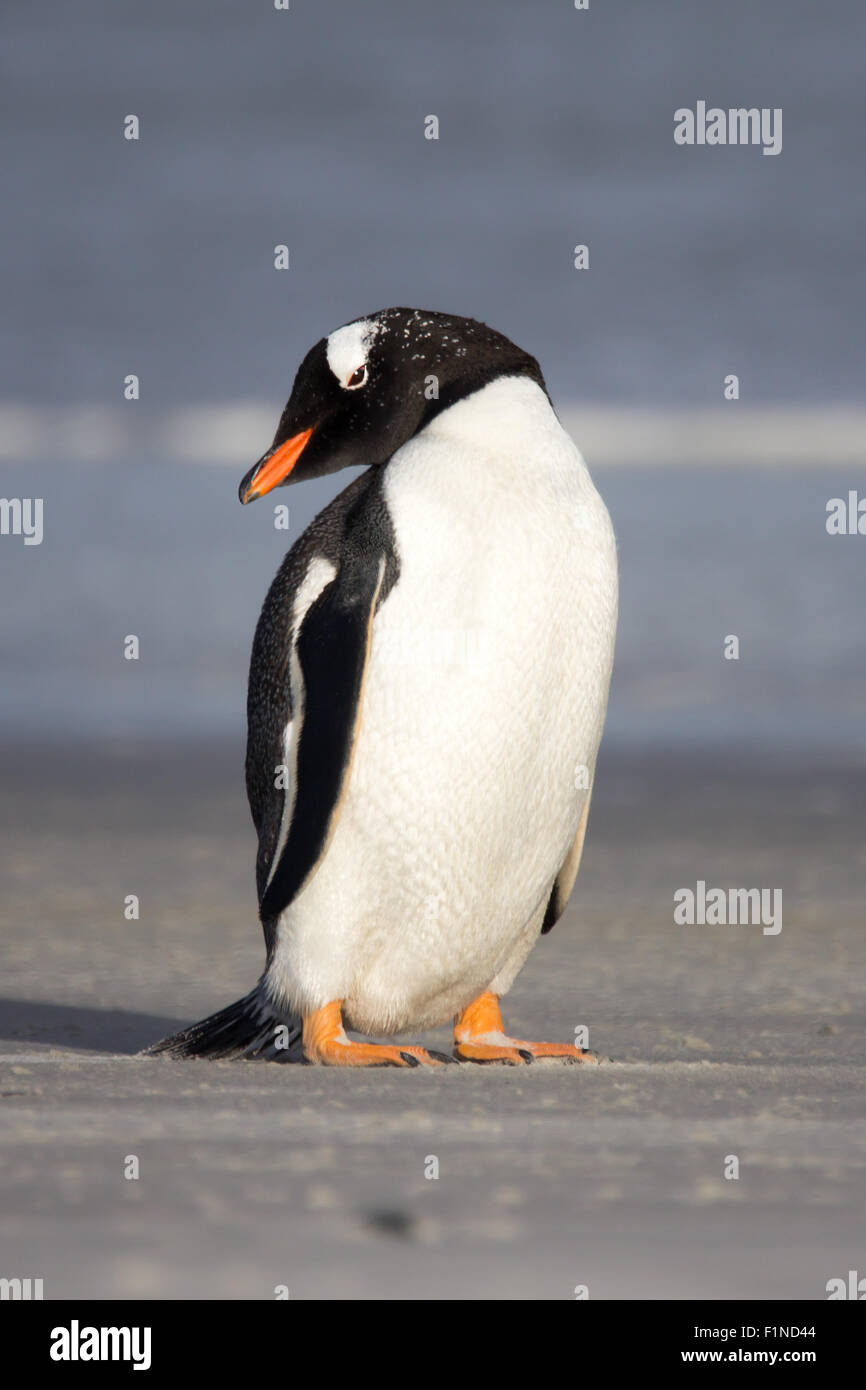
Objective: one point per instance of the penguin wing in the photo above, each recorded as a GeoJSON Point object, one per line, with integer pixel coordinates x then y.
{"type": "Point", "coordinates": [306, 682]}
{"type": "Point", "coordinates": [564, 881]}
{"type": "Point", "coordinates": [331, 649]}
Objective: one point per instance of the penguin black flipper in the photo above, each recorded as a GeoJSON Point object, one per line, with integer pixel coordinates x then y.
{"type": "Point", "coordinates": [332, 647]}
{"type": "Point", "coordinates": [564, 881]}
{"type": "Point", "coordinates": [272, 702]}
{"type": "Point", "coordinates": [312, 673]}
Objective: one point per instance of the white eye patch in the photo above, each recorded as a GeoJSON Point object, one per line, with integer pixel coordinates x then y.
{"type": "Point", "coordinates": [347, 352]}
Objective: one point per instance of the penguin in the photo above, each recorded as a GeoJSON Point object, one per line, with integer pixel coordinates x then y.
{"type": "Point", "coordinates": [427, 690]}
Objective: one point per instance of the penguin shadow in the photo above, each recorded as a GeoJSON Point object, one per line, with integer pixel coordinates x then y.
{"type": "Point", "coordinates": [80, 1028]}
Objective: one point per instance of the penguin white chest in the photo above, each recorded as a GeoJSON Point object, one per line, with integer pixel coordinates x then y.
{"type": "Point", "coordinates": [482, 711]}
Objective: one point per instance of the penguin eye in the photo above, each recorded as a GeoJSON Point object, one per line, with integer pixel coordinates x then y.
{"type": "Point", "coordinates": [358, 377]}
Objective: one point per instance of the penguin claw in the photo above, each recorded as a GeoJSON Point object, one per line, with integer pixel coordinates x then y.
{"type": "Point", "coordinates": [325, 1044]}
{"type": "Point", "coordinates": [561, 1052]}
{"type": "Point", "coordinates": [521, 1053]}
{"type": "Point", "coordinates": [378, 1055]}
{"type": "Point", "coordinates": [479, 1036]}
{"type": "Point", "coordinates": [487, 1054]}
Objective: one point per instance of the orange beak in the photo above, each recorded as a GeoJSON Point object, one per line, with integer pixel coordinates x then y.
{"type": "Point", "coordinates": [274, 468]}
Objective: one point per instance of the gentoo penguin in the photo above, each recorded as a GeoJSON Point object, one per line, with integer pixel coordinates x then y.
{"type": "Point", "coordinates": [427, 689]}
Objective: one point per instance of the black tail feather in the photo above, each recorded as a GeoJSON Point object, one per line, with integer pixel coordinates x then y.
{"type": "Point", "coordinates": [251, 1027]}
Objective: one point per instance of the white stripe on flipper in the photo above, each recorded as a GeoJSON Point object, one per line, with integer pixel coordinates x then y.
{"type": "Point", "coordinates": [320, 573]}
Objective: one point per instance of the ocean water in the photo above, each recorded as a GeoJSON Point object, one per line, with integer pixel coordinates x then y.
{"type": "Point", "coordinates": [306, 127]}
{"type": "Point", "coordinates": [166, 553]}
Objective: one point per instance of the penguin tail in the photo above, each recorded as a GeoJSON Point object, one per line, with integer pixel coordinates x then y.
{"type": "Point", "coordinates": [251, 1027]}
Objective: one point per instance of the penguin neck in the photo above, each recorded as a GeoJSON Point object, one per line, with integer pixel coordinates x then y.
{"type": "Point", "coordinates": [504, 439]}
{"type": "Point", "coordinates": [505, 416]}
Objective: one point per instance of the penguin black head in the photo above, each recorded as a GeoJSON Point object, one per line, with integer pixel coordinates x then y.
{"type": "Point", "coordinates": [371, 385]}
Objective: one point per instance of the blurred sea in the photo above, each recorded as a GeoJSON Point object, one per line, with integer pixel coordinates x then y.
{"type": "Point", "coordinates": [305, 127]}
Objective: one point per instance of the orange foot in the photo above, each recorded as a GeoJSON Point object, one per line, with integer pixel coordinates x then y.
{"type": "Point", "coordinates": [326, 1044]}
{"type": "Point", "coordinates": [479, 1036]}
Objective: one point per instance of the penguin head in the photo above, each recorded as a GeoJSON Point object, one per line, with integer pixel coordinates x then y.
{"type": "Point", "coordinates": [371, 385]}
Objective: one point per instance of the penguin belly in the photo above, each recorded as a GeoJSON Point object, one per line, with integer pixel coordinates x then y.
{"type": "Point", "coordinates": [480, 720]}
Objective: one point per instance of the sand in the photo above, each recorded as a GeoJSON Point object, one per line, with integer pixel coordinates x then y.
{"type": "Point", "coordinates": [724, 1042]}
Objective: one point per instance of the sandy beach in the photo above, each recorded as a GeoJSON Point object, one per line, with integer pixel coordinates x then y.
{"type": "Point", "coordinates": [724, 1041]}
